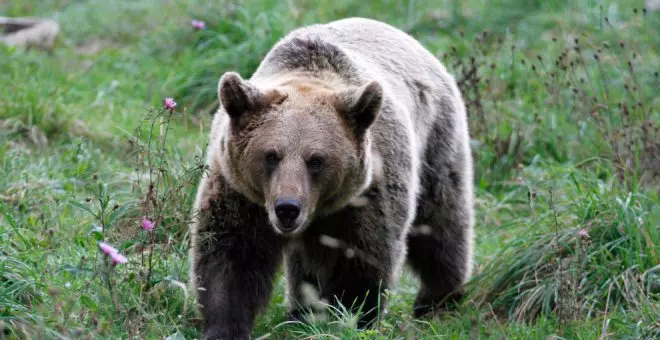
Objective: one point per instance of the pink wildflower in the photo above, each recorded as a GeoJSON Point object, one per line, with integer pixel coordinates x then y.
{"type": "Point", "coordinates": [198, 24]}
{"type": "Point", "coordinates": [583, 233]}
{"type": "Point", "coordinates": [170, 103]}
{"type": "Point", "coordinates": [107, 249]}
{"type": "Point", "coordinates": [147, 224]}
{"type": "Point", "coordinates": [118, 258]}
{"type": "Point", "coordinates": [114, 254]}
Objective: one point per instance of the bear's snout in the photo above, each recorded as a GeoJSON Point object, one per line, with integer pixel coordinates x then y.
{"type": "Point", "coordinates": [287, 211]}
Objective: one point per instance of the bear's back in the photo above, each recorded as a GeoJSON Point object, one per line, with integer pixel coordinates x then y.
{"type": "Point", "coordinates": [412, 75]}
{"type": "Point", "coordinates": [360, 50]}
{"type": "Point", "coordinates": [416, 85]}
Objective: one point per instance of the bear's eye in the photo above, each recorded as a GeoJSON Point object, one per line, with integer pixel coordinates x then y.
{"type": "Point", "coordinates": [271, 159]}
{"type": "Point", "coordinates": [315, 164]}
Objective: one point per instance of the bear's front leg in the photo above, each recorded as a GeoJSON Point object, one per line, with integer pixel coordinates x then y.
{"type": "Point", "coordinates": [348, 263]}
{"type": "Point", "coordinates": [352, 282]}
{"type": "Point", "coordinates": [235, 256]}
{"type": "Point", "coordinates": [359, 286]}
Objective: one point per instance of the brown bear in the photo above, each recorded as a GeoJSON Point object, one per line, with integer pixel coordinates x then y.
{"type": "Point", "coordinates": [345, 155]}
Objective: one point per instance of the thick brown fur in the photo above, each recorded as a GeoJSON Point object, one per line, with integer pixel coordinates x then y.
{"type": "Point", "coordinates": [363, 132]}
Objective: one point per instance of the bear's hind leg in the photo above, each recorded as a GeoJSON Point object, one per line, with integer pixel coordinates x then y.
{"type": "Point", "coordinates": [440, 239]}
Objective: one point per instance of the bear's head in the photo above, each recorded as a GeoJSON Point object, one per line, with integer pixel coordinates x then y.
{"type": "Point", "coordinates": [301, 150]}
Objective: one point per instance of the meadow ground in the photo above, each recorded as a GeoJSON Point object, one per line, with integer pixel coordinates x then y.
{"type": "Point", "coordinates": [564, 116]}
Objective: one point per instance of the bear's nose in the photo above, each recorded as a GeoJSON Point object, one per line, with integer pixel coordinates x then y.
{"type": "Point", "coordinates": [287, 210]}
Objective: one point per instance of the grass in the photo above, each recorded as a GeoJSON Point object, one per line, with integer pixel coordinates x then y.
{"type": "Point", "coordinates": [564, 121]}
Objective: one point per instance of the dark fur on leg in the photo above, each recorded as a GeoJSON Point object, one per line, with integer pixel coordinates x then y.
{"type": "Point", "coordinates": [428, 303]}
{"type": "Point", "coordinates": [236, 259]}
{"type": "Point", "coordinates": [358, 291]}
{"type": "Point", "coordinates": [439, 245]}
{"type": "Point", "coordinates": [440, 274]}
{"type": "Point", "coordinates": [296, 278]}
{"type": "Point", "coordinates": [347, 265]}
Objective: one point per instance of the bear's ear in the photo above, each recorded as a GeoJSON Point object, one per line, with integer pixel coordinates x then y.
{"type": "Point", "coordinates": [240, 98]}
{"type": "Point", "coordinates": [236, 95]}
{"type": "Point", "coordinates": [361, 106]}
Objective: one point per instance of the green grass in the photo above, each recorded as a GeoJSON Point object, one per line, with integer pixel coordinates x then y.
{"type": "Point", "coordinates": [564, 119]}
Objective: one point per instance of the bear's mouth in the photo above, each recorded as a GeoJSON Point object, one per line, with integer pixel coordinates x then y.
{"type": "Point", "coordinates": [288, 226]}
